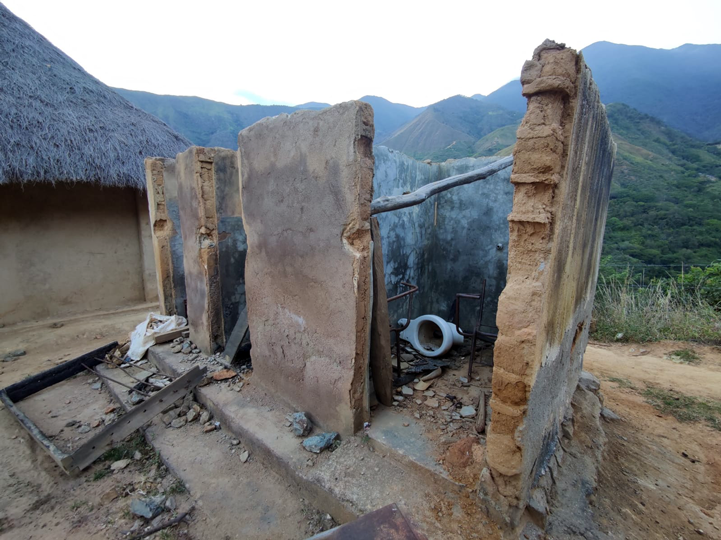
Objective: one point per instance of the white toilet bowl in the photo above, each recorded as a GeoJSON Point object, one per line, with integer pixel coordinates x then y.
{"type": "Point", "coordinates": [423, 332]}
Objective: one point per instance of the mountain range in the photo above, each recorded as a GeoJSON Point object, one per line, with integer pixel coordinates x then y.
{"type": "Point", "coordinates": [665, 114]}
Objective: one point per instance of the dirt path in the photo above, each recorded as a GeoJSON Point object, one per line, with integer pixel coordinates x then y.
{"type": "Point", "coordinates": [649, 364]}
{"type": "Point", "coordinates": [659, 478]}
{"type": "Point", "coordinates": [45, 345]}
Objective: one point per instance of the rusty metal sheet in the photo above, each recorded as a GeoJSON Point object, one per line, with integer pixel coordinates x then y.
{"type": "Point", "coordinates": [387, 523]}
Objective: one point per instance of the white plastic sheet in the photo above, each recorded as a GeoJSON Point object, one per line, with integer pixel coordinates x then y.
{"type": "Point", "coordinates": [143, 337]}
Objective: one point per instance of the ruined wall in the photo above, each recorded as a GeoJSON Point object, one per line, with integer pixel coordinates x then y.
{"type": "Point", "coordinates": [306, 189]}
{"type": "Point", "coordinates": [449, 243]}
{"type": "Point", "coordinates": [561, 175]}
{"type": "Point", "coordinates": [162, 190]}
{"type": "Point", "coordinates": [145, 240]}
{"type": "Point", "coordinates": [67, 249]}
{"type": "Point", "coordinates": [213, 243]}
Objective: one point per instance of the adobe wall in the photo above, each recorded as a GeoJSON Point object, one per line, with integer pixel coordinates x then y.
{"type": "Point", "coordinates": [449, 243]}
{"type": "Point", "coordinates": [145, 239]}
{"type": "Point", "coordinates": [562, 169]}
{"type": "Point", "coordinates": [67, 249]}
{"type": "Point", "coordinates": [167, 241]}
{"type": "Point", "coordinates": [213, 243]}
{"type": "Point", "coordinates": [307, 184]}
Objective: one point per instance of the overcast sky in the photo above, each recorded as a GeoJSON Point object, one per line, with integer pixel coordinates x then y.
{"type": "Point", "coordinates": [417, 52]}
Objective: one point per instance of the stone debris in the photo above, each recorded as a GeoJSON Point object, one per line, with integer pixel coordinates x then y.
{"type": "Point", "coordinates": [224, 374]}
{"type": "Point", "coordinates": [318, 443]}
{"type": "Point", "coordinates": [432, 402]}
{"type": "Point", "coordinates": [463, 380]}
{"type": "Point", "coordinates": [120, 464]}
{"type": "Point", "coordinates": [429, 393]}
{"type": "Point", "coordinates": [398, 398]}
{"type": "Point", "coordinates": [468, 412]}
{"type": "Point", "coordinates": [192, 415]}
{"type": "Point", "coordinates": [244, 455]}
{"type": "Point", "coordinates": [136, 398]}
{"type": "Point", "coordinates": [110, 409]}
{"type": "Point", "coordinates": [407, 391]}
{"type": "Point", "coordinates": [204, 417]}
{"type": "Point", "coordinates": [209, 427]}
{"type": "Point", "coordinates": [148, 507]}
{"type": "Point", "coordinates": [179, 422]}
{"type": "Point", "coordinates": [137, 456]}
{"type": "Point", "coordinates": [96, 424]}
{"type": "Point", "coordinates": [72, 423]}
{"type": "Point", "coordinates": [109, 496]}
{"type": "Point", "coordinates": [589, 382]}
{"type": "Point", "coordinates": [432, 375]}
{"type": "Point", "coordinates": [300, 424]}
{"type": "Point", "coordinates": [608, 414]}
{"type": "Point", "coordinates": [96, 386]}
{"type": "Point", "coordinates": [84, 428]}
{"type": "Point", "coordinates": [13, 355]}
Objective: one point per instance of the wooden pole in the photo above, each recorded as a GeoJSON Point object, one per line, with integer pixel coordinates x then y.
{"type": "Point", "coordinates": [380, 356]}
{"type": "Point", "coordinates": [386, 204]}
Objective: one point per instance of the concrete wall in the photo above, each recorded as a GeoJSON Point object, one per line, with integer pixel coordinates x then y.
{"type": "Point", "coordinates": [167, 241]}
{"type": "Point", "coordinates": [562, 169]}
{"type": "Point", "coordinates": [307, 182]}
{"type": "Point", "coordinates": [213, 243]}
{"type": "Point", "coordinates": [449, 243]}
{"type": "Point", "coordinates": [66, 249]}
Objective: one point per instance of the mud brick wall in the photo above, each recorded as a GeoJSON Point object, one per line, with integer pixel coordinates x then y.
{"type": "Point", "coordinates": [562, 169]}
{"type": "Point", "coordinates": [306, 185]}
{"type": "Point", "coordinates": [162, 185]}
{"type": "Point", "coordinates": [213, 243]}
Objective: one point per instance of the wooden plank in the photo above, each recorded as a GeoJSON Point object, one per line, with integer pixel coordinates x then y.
{"type": "Point", "coordinates": [135, 418]}
{"type": "Point", "coordinates": [61, 458]}
{"type": "Point", "coordinates": [240, 330]}
{"type": "Point", "coordinates": [386, 204]}
{"type": "Point", "coordinates": [387, 523]}
{"type": "Point", "coordinates": [27, 387]}
{"type": "Point", "coordinates": [170, 336]}
{"type": "Point", "coordinates": [380, 355]}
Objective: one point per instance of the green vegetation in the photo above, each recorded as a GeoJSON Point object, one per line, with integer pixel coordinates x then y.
{"type": "Point", "coordinates": [687, 356]}
{"type": "Point", "coordinates": [127, 448]}
{"type": "Point", "coordinates": [625, 310]}
{"type": "Point", "coordinates": [100, 474]}
{"type": "Point", "coordinates": [177, 487]}
{"type": "Point", "coordinates": [685, 408]}
{"type": "Point", "coordinates": [623, 383]}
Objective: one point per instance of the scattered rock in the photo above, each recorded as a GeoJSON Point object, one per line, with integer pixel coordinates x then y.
{"type": "Point", "coordinates": [84, 428]}
{"type": "Point", "coordinates": [608, 414]}
{"type": "Point", "coordinates": [468, 412]}
{"type": "Point", "coordinates": [109, 496]}
{"type": "Point", "coordinates": [136, 398]}
{"type": "Point", "coordinates": [318, 443]}
{"type": "Point", "coordinates": [176, 348]}
{"type": "Point", "coordinates": [429, 393]}
{"type": "Point", "coordinates": [179, 422]}
{"type": "Point", "coordinates": [57, 325]}
{"type": "Point", "coordinates": [204, 417]}
{"type": "Point", "coordinates": [244, 455]}
{"type": "Point", "coordinates": [234, 442]}
{"type": "Point", "coordinates": [224, 374]}
{"type": "Point", "coordinates": [418, 401]}
{"type": "Point", "coordinates": [432, 402]}
{"type": "Point", "coordinates": [170, 504]}
{"type": "Point", "coordinates": [120, 464]}
{"type": "Point", "coordinates": [209, 427]}
{"type": "Point", "coordinates": [96, 424]}
{"type": "Point", "coordinates": [300, 424]}
{"type": "Point", "coordinates": [398, 398]}
{"type": "Point", "coordinates": [192, 415]}
{"type": "Point", "coordinates": [463, 380]}
{"type": "Point", "coordinates": [406, 391]}
{"type": "Point", "coordinates": [148, 508]}
{"type": "Point", "coordinates": [168, 417]}
{"type": "Point", "coordinates": [96, 386]}
{"type": "Point", "coordinates": [406, 424]}
{"type": "Point", "coordinates": [110, 409]}
{"type": "Point", "coordinates": [589, 382]}
{"type": "Point", "coordinates": [137, 456]}
{"type": "Point", "coordinates": [432, 375]}
{"type": "Point", "coordinates": [72, 423]}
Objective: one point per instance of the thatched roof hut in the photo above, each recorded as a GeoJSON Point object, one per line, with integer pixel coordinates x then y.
{"type": "Point", "coordinates": [58, 123]}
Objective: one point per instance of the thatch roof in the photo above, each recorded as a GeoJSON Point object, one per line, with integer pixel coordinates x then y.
{"type": "Point", "coordinates": [58, 123]}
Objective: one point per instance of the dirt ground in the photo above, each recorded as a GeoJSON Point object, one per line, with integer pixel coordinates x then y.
{"type": "Point", "coordinates": [659, 478]}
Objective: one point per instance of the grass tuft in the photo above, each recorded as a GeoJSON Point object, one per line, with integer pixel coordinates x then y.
{"type": "Point", "coordinates": [625, 311]}
{"type": "Point", "coordinates": [686, 356]}
{"type": "Point", "coordinates": [685, 408]}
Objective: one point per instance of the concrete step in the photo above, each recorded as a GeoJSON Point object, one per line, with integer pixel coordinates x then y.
{"type": "Point", "coordinates": [355, 479]}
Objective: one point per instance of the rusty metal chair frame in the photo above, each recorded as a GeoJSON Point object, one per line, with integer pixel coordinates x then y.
{"type": "Point", "coordinates": [477, 329]}
{"type": "Point", "coordinates": [412, 289]}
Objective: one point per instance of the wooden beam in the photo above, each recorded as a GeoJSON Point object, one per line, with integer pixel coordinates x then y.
{"type": "Point", "coordinates": [170, 336]}
{"type": "Point", "coordinates": [386, 204]}
{"type": "Point", "coordinates": [27, 387]}
{"type": "Point", "coordinates": [61, 458]}
{"type": "Point", "coordinates": [237, 335]}
{"type": "Point", "coordinates": [135, 418]}
{"type": "Point", "coordinates": [380, 357]}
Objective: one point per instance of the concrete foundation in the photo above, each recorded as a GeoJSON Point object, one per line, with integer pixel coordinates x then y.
{"type": "Point", "coordinates": [167, 242]}
{"type": "Point", "coordinates": [213, 243]}
{"type": "Point", "coordinates": [561, 175]}
{"type": "Point", "coordinates": [69, 249]}
{"type": "Point", "coordinates": [307, 183]}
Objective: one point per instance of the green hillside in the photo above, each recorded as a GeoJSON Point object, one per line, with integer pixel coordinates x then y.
{"type": "Point", "coordinates": [666, 194]}
{"type": "Point", "coordinates": [450, 128]}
